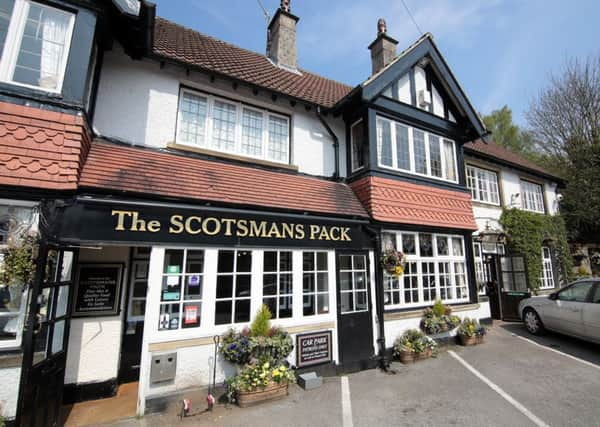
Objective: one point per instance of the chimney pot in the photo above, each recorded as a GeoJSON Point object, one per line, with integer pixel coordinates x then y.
{"type": "Point", "coordinates": [285, 5]}
{"type": "Point", "coordinates": [383, 48]}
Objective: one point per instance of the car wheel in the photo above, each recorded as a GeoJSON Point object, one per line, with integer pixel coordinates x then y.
{"type": "Point", "coordinates": [532, 321]}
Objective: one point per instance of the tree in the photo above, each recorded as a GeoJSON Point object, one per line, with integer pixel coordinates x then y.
{"type": "Point", "coordinates": [565, 120]}
{"type": "Point", "coordinates": [507, 134]}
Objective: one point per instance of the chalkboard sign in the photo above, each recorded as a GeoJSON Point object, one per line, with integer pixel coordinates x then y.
{"type": "Point", "coordinates": [97, 291]}
{"type": "Point", "coordinates": [313, 348]}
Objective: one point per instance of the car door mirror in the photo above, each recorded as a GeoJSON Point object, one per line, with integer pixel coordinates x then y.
{"type": "Point", "coordinates": [553, 296]}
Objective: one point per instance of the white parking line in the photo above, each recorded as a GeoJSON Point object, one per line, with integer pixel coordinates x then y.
{"type": "Point", "coordinates": [346, 404]}
{"type": "Point", "coordinates": [585, 362]}
{"type": "Point", "coordinates": [498, 390]}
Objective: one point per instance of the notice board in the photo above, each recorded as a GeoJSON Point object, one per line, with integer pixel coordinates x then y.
{"type": "Point", "coordinates": [97, 289]}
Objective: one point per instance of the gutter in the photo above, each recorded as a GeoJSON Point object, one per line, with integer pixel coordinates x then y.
{"type": "Point", "coordinates": [336, 143]}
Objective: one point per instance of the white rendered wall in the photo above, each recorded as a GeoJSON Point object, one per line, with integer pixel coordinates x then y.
{"type": "Point", "coordinates": [137, 103]}
{"type": "Point", "coordinates": [395, 328]}
{"type": "Point", "coordinates": [9, 391]}
{"type": "Point", "coordinates": [95, 342]}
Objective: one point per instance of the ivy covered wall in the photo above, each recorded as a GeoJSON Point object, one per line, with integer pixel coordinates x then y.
{"type": "Point", "coordinates": [527, 232]}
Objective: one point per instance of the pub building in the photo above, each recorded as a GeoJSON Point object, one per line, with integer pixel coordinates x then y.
{"type": "Point", "coordinates": [178, 182]}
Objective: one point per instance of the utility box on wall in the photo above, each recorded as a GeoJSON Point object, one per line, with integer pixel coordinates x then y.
{"type": "Point", "coordinates": [163, 368]}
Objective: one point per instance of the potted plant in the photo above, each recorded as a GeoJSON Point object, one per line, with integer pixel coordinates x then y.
{"type": "Point", "coordinates": [438, 319]}
{"type": "Point", "coordinates": [261, 352]}
{"type": "Point", "coordinates": [392, 262]}
{"type": "Point", "coordinates": [470, 332]}
{"type": "Point", "coordinates": [414, 345]}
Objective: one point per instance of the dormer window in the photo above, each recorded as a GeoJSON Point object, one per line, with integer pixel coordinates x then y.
{"type": "Point", "coordinates": [532, 198]}
{"type": "Point", "coordinates": [407, 149]}
{"type": "Point", "coordinates": [34, 44]}
{"type": "Point", "coordinates": [217, 124]}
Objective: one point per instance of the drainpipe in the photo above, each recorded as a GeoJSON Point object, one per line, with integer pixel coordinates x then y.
{"type": "Point", "coordinates": [382, 361]}
{"type": "Point", "coordinates": [336, 143]}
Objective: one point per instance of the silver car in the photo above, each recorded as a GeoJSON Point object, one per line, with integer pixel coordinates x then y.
{"type": "Point", "coordinates": [574, 310]}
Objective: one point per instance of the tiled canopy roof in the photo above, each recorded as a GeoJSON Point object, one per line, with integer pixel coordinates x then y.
{"type": "Point", "coordinates": [181, 44]}
{"type": "Point", "coordinates": [399, 202]}
{"type": "Point", "coordinates": [143, 171]}
{"type": "Point", "coordinates": [497, 152]}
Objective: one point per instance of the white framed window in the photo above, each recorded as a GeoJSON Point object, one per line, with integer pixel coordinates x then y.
{"type": "Point", "coordinates": [357, 131]}
{"type": "Point", "coordinates": [483, 185]}
{"type": "Point", "coordinates": [277, 283]}
{"type": "Point", "coordinates": [315, 283]}
{"type": "Point", "coordinates": [353, 284]}
{"type": "Point", "coordinates": [34, 43]}
{"type": "Point", "coordinates": [480, 271]}
{"type": "Point", "coordinates": [532, 198]}
{"type": "Point", "coordinates": [435, 269]}
{"type": "Point", "coordinates": [210, 122]}
{"type": "Point", "coordinates": [404, 148]}
{"type": "Point", "coordinates": [547, 279]}
{"type": "Point", "coordinates": [181, 290]}
{"type": "Point", "coordinates": [234, 276]}
{"type": "Point", "coordinates": [136, 308]}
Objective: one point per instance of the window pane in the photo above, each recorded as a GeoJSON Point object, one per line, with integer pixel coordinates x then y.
{"type": "Point", "coordinates": [225, 262]}
{"type": "Point", "coordinates": [285, 261]}
{"type": "Point", "coordinates": [450, 171]}
{"type": "Point", "coordinates": [58, 337]}
{"type": "Point", "coordinates": [321, 261]}
{"type": "Point", "coordinates": [6, 8]}
{"type": "Point", "coordinates": [43, 47]}
{"type": "Point", "coordinates": [285, 283]}
{"type": "Point", "coordinates": [402, 147]}
{"type": "Point", "coordinates": [193, 287]}
{"type": "Point", "coordinates": [139, 288]}
{"type": "Point", "coordinates": [308, 282]}
{"type": "Point", "coordinates": [323, 304]}
{"type": "Point", "coordinates": [361, 301]}
{"type": "Point", "coordinates": [62, 302]}
{"type": "Point", "coordinates": [357, 145]}
{"type": "Point", "coordinates": [242, 311]}
{"type": "Point", "coordinates": [194, 262]}
{"type": "Point", "coordinates": [244, 261]}
{"type": "Point", "coordinates": [347, 301]}
{"type": "Point", "coordinates": [252, 129]}
{"type": "Point", "coordinates": [242, 287]}
{"type": "Point", "coordinates": [270, 284]}
{"type": "Point", "coordinates": [285, 307]}
{"type": "Point", "coordinates": [426, 244]}
{"type": "Point", "coordinates": [169, 317]}
{"type": "Point", "coordinates": [67, 266]}
{"type": "Point", "coordinates": [420, 153]}
{"type": "Point", "coordinates": [270, 261]}
{"type": "Point", "coordinates": [224, 286]}
{"type": "Point", "coordinates": [322, 282]}
{"type": "Point", "coordinates": [271, 304]}
{"type": "Point", "coordinates": [308, 261]}
{"type": "Point", "coordinates": [345, 281]}
{"type": "Point", "coordinates": [191, 315]}
{"type": "Point", "coordinates": [308, 305]}
{"type": "Point", "coordinates": [457, 247]}
{"type": "Point", "coordinates": [223, 312]}
{"type": "Point", "coordinates": [171, 288]}
{"type": "Point", "coordinates": [384, 142]}
{"type": "Point", "coordinates": [408, 244]}
{"type": "Point", "coordinates": [193, 111]}
{"type": "Point", "coordinates": [442, 245]}
{"type": "Point", "coordinates": [224, 117]}
{"type": "Point", "coordinates": [345, 262]}
{"type": "Point", "coordinates": [173, 261]}
{"type": "Point", "coordinates": [278, 139]}
{"type": "Point", "coordinates": [435, 156]}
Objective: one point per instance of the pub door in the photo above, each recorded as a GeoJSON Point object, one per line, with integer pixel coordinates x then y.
{"type": "Point", "coordinates": [490, 264]}
{"type": "Point", "coordinates": [355, 328]}
{"type": "Point", "coordinates": [133, 330]}
{"type": "Point", "coordinates": [47, 335]}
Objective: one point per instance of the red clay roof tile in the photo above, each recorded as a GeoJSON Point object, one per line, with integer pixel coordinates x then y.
{"type": "Point", "coordinates": [182, 44]}
{"type": "Point", "coordinates": [136, 170]}
{"type": "Point", "coordinates": [400, 202]}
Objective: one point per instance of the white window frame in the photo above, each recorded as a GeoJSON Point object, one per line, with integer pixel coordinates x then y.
{"type": "Point", "coordinates": [131, 284]}
{"type": "Point", "coordinates": [547, 277]}
{"type": "Point", "coordinates": [14, 37]}
{"type": "Point", "coordinates": [352, 143]}
{"type": "Point", "coordinates": [489, 180]}
{"type": "Point", "coordinates": [480, 271]}
{"type": "Point", "coordinates": [412, 170]}
{"type": "Point", "coordinates": [315, 293]}
{"type": "Point", "coordinates": [277, 273]}
{"type": "Point", "coordinates": [240, 106]}
{"type": "Point", "coordinates": [531, 200]}
{"type": "Point", "coordinates": [234, 275]}
{"type": "Point", "coordinates": [354, 290]}
{"type": "Point", "coordinates": [451, 259]}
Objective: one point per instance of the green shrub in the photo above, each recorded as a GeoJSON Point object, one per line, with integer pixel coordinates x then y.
{"type": "Point", "coordinates": [470, 328]}
{"type": "Point", "coordinates": [438, 319]}
{"type": "Point", "coordinates": [262, 322]}
{"type": "Point", "coordinates": [439, 309]}
{"type": "Point", "coordinates": [414, 341]}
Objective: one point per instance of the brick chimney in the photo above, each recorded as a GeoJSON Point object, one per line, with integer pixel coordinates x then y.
{"type": "Point", "coordinates": [383, 48]}
{"type": "Point", "coordinates": [281, 38]}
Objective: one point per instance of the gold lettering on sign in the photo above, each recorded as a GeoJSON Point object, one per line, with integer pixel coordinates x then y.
{"type": "Point", "coordinates": [193, 225]}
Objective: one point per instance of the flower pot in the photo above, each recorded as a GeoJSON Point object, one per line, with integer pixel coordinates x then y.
{"type": "Point", "coordinates": [468, 341]}
{"type": "Point", "coordinates": [480, 339]}
{"type": "Point", "coordinates": [407, 357]}
{"type": "Point", "coordinates": [273, 391]}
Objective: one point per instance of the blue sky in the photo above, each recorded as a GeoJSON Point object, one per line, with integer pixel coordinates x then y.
{"type": "Point", "coordinates": [502, 51]}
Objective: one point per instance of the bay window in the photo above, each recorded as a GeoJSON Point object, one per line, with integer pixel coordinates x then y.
{"type": "Point", "coordinates": [407, 149]}
{"type": "Point", "coordinates": [213, 123]}
{"type": "Point", "coordinates": [483, 185]}
{"type": "Point", "coordinates": [435, 269]}
{"type": "Point", "coordinates": [532, 198]}
{"type": "Point", "coordinates": [34, 44]}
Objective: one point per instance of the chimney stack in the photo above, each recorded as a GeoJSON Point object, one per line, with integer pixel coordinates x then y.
{"type": "Point", "coordinates": [383, 48]}
{"type": "Point", "coordinates": [281, 37]}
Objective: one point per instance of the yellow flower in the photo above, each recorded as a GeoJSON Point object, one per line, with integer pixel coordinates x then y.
{"type": "Point", "coordinates": [399, 270]}
{"type": "Point", "coordinates": [282, 368]}
{"type": "Point", "coordinates": [266, 365]}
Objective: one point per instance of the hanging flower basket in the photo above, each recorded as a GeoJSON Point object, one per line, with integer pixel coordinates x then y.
{"type": "Point", "coordinates": [392, 262]}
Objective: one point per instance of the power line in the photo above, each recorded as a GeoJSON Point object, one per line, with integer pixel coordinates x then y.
{"type": "Point", "coordinates": [267, 16]}
{"type": "Point", "coordinates": [412, 18]}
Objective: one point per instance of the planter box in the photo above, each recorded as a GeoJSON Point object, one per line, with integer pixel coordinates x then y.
{"type": "Point", "coordinates": [468, 341]}
{"type": "Point", "coordinates": [273, 391]}
{"type": "Point", "coordinates": [411, 357]}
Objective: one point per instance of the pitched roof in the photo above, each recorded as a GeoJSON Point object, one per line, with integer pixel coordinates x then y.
{"type": "Point", "coordinates": [496, 152]}
{"type": "Point", "coordinates": [148, 171]}
{"type": "Point", "coordinates": [399, 202]}
{"type": "Point", "coordinates": [175, 42]}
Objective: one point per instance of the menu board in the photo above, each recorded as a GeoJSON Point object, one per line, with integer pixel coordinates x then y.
{"type": "Point", "coordinates": [314, 348]}
{"type": "Point", "coordinates": [97, 289]}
